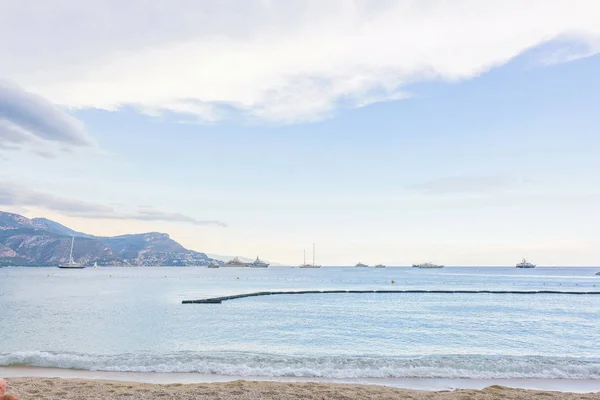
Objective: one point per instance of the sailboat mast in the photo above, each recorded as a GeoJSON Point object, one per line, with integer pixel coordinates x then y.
{"type": "Point", "coordinates": [313, 254]}
{"type": "Point", "coordinates": [304, 263]}
{"type": "Point", "coordinates": [71, 253]}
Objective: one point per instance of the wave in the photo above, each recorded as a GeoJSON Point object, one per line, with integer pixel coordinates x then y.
{"type": "Point", "coordinates": [250, 364]}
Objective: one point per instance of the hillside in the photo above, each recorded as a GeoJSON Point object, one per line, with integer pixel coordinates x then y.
{"type": "Point", "coordinates": [42, 242]}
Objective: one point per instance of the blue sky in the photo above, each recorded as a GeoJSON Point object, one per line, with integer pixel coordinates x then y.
{"type": "Point", "coordinates": [474, 143]}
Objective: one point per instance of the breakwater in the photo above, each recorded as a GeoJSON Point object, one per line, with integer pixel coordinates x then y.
{"type": "Point", "coordinates": [218, 300]}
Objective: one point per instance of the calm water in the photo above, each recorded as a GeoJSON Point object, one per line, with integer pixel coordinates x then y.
{"type": "Point", "coordinates": [132, 319]}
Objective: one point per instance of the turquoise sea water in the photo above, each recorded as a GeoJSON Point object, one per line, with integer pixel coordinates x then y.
{"type": "Point", "coordinates": [132, 319]}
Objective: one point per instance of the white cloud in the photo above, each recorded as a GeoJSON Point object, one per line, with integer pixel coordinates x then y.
{"type": "Point", "coordinates": [17, 195]}
{"type": "Point", "coordinates": [30, 120]}
{"type": "Point", "coordinates": [279, 61]}
{"type": "Point", "coordinates": [466, 185]}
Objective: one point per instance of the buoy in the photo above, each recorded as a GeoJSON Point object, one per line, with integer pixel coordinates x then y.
{"type": "Point", "coordinates": [393, 281]}
{"type": "Point", "coordinates": [237, 277]}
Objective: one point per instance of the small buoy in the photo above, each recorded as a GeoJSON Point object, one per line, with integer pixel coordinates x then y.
{"type": "Point", "coordinates": [237, 277]}
{"type": "Point", "coordinates": [111, 276]}
{"type": "Point", "coordinates": [393, 281]}
{"type": "Point", "coordinates": [165, 276]}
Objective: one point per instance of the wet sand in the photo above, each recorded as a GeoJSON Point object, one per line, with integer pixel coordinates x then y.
{"type": "Point", "coordinates": [85, 389]}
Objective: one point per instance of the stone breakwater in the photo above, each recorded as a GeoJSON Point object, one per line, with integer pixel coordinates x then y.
{"type": "Point", "coordinates": [218, 300]}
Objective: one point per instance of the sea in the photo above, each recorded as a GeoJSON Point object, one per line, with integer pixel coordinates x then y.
{"type": "Point", "coordinates": [133, 320]}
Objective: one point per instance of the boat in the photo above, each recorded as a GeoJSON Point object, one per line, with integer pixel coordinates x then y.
{"type": "Point", "coordinates": [71, 264]}
{"type": "Point", "coordinates": [313, 265]}
{"type": "Point", "coordinates": [258, 263]}
{"type": "Point", "coordinates": [214, 264]}
{"type": "Point", "coordinates": [525, 264]}
{"type": "Point", "coordinates": [361, 265]}
{"type": "Point", "coordinates": [379, 266]}
{"type": "Point", "coordinates": [235, 262]}
{"type": "Point", "coordinates": [96, 264]}
{"type": "Point", "coordinates": [427, 265]}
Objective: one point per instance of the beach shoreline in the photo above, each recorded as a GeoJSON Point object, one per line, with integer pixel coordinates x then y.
{"type": "Point", "coordinates": [92, 389]}
{"type": "Point", "coordinates": [420, 384]}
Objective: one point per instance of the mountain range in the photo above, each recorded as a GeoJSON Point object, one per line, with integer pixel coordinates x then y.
{"type": "Point", "coordinates": [42, 242]}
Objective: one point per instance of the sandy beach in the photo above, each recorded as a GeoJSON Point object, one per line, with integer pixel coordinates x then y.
{"type": "Point", "coordinates": [84, 389]}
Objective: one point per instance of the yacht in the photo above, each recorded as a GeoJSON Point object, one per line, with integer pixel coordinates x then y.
{"type": "Point", "coordinates": [214, 264]}
{"type": "Point", "coordinates": [313, 265]}
{"type": "Point", "coordinates": [258, 263]}
{"type": "Point", "coordinates": [71, 264]}
{"type": "Point", "coordinates": [379, 266]}
{"type": "Point", "coordinates": [525, 264]}
{"type": "Point", "coordinates": [427, 265]}
{"type": "Point", "coordinates": [361, 265]}
{"type": "Point", "coordinates": [236, 262]}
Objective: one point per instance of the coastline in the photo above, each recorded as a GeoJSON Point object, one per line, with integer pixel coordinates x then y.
{"type": "Point", "coordinates": [32, 374]}
{"type": "Point", "coordinates": [66, 389]}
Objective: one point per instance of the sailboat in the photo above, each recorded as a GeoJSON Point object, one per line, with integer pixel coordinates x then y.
{"type": "Point", "coordinates": [71, 264]}
{"type": "Point", "coordinates": [313, 265]}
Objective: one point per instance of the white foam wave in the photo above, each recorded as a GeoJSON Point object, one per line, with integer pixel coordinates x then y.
{"type": "Point", "coordinates": [249, 364]}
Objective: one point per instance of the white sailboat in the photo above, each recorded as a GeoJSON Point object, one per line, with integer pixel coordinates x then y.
{"type": "Point", "coordinates": [71, 264]}
{"type": "Point", "coordinates": [313, 265]}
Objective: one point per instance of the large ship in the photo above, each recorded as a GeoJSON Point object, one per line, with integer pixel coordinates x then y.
{"type": "Point", "coordinates": [258, 263]}
{"type": "Point", "coordinates": [427, 265]}
{"type": "Point", "coordinates": [236, 262]}
{"type": "Point", "coordinates": [525, 264]}
{"type": "Point", "coordinates": [313, 265]}
{"type": "Point", "coordinates": [71, 264]}
{"type": "Point", "coordinates": [361, 265]}
{"type": "Point", "coordinates": [214, 264]}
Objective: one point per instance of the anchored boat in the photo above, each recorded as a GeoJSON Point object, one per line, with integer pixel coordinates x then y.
{"type": "Point", "coordinates": [71, 264]}
{"type": "Point", "coordinates": [525, 264]}
{"type": "Point", "coordinates": [236, 262]}
{"type": "Point", "coordinates": [313, 265]}
{"type": "Point", "coordinates": [427, 265]}
{"type": "Point", "coordinates": [258, 263]}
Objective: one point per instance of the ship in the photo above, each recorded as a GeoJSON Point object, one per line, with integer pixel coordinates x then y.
{"type": "Point", "coordinates": [235, 262]}
{"type": "Point", "coordinates": [379, 266]}
{"type": "Point", "coordinates": [525, 264]}
{"type": "Point", "coordinates": [313, 265]}
{"type": "Point", "coordinates": [427, 265]}
{"type": "Point", "coordinates": [258, 263]}
{"type": "Point", "coordinates": [71, 264]}
{"type": "Point", "coordinates": [361, 265]}
{"type": "Point", "coordinates": [214, 264]}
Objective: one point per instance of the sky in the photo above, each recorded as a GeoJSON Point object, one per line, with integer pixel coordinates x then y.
{"type": "Point", "coordinates": [459, 132]}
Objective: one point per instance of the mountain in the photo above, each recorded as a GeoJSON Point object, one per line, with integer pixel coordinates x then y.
{"type": "Point", "coordinates": [42, 242]}
{"type": "Point", "coordinates": [55, 227]}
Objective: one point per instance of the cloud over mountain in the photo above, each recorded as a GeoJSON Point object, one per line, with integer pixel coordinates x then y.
{"type": "Point", "coordinates": [17, 195]}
